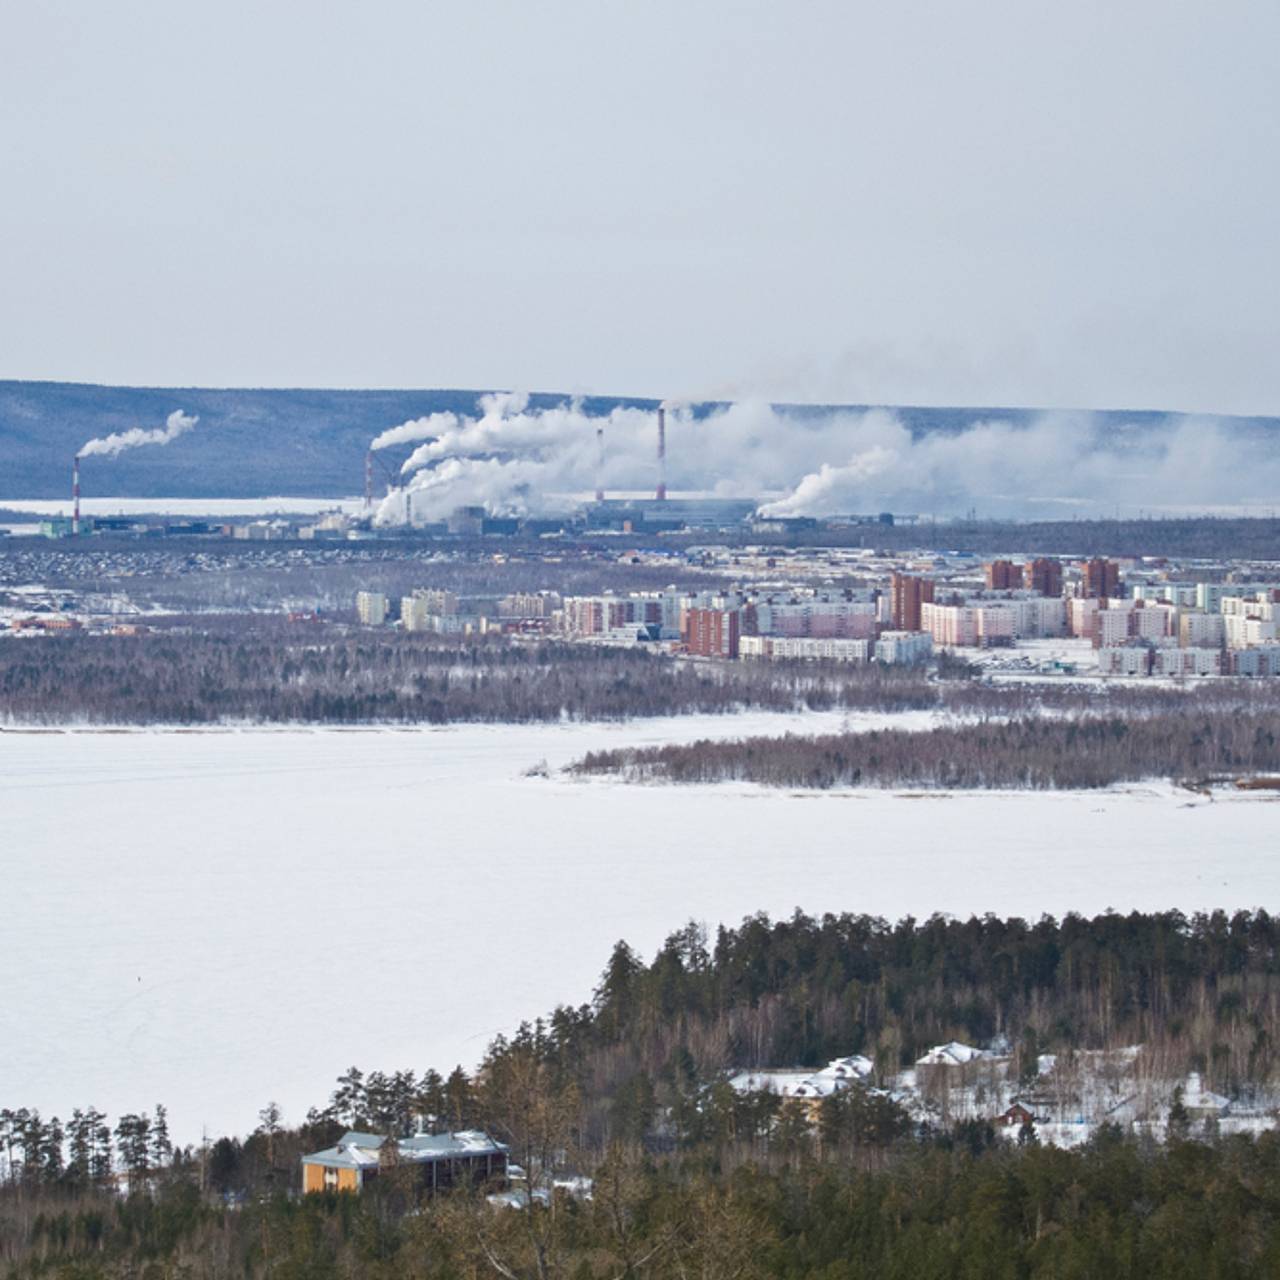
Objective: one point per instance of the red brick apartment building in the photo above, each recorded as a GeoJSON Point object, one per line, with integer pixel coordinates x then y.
{"type": "Point", "coordinates": [909, 593]}
{"type": "Point", "coordinates": [1043, 576]}
{"type": "Point", "coordinates": [1101, 578]}
{"type": "Point", "coordinates": [1003, 575]}
{"type": "Point", "coordinates": [712, 633]}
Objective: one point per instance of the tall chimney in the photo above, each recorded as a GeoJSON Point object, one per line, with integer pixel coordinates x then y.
{"type": "Point", "coordinates": [662, 454]}
{"type": "Point", "coordinates": [368, 481]}
{"type": "Point", "coordinates": [75, 496]}
{"type": "Point", "coordinates": [599, 464]}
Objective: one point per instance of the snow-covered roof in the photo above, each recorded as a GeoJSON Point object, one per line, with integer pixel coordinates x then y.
{"type": "Point", "coordinates": [1197, 1098]}
{"type": "Point", "coordinates": [951, 1054]}
{"type": "Point", "coordinates": [355, 1150]}
{"type": "Point", "coordinates": [802, 1082]}
{"type": "Point", "coordinates": [855, 1067]}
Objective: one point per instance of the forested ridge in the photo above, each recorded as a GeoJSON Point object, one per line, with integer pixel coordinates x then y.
{"type": "Point", "coordinates": [692, 1179]}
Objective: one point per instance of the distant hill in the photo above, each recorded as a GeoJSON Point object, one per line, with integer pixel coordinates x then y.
{"type": "Point", "coordinates": [261, 443]}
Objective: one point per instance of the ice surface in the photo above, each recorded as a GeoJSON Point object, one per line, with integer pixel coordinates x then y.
{"type": "Point", "coordinates": [215, 919]}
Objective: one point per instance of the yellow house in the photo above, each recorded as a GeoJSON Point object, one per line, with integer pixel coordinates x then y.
{"type": "Point", "coordinates": [444, 1160]}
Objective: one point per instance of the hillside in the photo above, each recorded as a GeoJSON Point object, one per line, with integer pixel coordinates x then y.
{"type": "Point", "coordinates": [256, 443]}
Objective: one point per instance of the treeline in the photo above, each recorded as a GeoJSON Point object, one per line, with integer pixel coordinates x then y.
{"type": "Point", "coordinates": [969, 1211]}
{"type": "Point", "coordinates": [1201, 993]}
{"type": "Point", "coordinates": [1038, 753]}
{"type": "Point", "coordinates": [1195, 537]}
{"type": "Point", "coordinates": [245, 668]}
{"type": "Point", "coordinates": [280, 673]}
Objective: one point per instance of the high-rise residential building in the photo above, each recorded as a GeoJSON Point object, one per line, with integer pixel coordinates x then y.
{"type": "Point", "coordinates": [1043, 576]}
{"type": "Point", "coordinates": [1101, 578]}
{"type": "Point", "coordinates": [909, 593]}
{"type": "Point", "coordinates": [371, 608]}
{"type": "Point", "coordinates": [712, 633]}
{"type": "Point", "coordinates": [1003, 575]}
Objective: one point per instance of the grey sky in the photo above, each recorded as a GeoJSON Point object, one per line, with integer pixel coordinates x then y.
{"type": "Point", "coordinates": [1018, 203]}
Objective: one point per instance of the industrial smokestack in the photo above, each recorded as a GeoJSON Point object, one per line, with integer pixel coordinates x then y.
{"type": "Point", "coordinates": [368, 481]}
{"type": "Point", "coordinates": [75, 496]}
{"type": "Point", "coordinates": [662, 454]}
{"type": "Point", "coordinates": [599, 464]}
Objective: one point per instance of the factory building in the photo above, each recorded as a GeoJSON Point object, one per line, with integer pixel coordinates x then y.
{"type": "Point", "coordinates": [655, 515]}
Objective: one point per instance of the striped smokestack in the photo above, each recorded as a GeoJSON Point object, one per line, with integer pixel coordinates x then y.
{"type": "Point", "coordinates": [599, 464]}
{"type": "Point", "coordinates": [75, 495]}
{"type": "Point", "coordinates": [662, 454]}
{"type": "Point", "coordinates": [368, 481]}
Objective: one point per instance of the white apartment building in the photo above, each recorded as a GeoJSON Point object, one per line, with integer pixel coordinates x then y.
{"type": "Point", "coordinates": [1126, 660]}
{"type": "Point", "coordinates": [1187, 662]}
{"type": "Point", "coordinates": [906, 647]}
{"type": "Point", "coordinates": [806, 647]}
{"type": "Point", "coordinates": [1201, 631]}
{"type": "Point", "coordinates": [371, 608]}
{"type": "Point", "coordinates": [1262, 661]}
{"type": "Point", "coordinates": [1250, 622]}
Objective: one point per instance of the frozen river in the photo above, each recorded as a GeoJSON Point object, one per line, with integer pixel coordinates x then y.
{"type": "Point", "coordinates": [215, 919]}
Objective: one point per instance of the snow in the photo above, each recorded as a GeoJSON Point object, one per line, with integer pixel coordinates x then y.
{"type": "Point", "coordinates": [43, 508]}
{"type": "Point", "coordinates": [215, 919]}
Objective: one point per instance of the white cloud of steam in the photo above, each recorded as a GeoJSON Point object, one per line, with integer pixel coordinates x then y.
{"type": "Point", "coordinates": [176, 424]}
{"type": "Point", "coordinates": [504, 404]}
{"type": "Point", "coordinates": [512, 460]}
{"type": "Point", "coordinates": [434, 424]}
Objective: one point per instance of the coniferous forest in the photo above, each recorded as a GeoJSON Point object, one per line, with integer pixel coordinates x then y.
{"type": "Point", "coordinates": [689, 1177]}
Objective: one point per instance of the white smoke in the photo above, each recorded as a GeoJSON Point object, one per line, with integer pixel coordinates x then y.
{"type": "Point", "coordinates": [513, 460]}
{"type": "Point", "coordinates": [434, 424]}
{"type": "Point", "coordinates": [176, 424]}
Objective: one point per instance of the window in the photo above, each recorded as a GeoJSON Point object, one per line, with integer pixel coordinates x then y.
{"type": "Point", "coordinates": [331, 1179]}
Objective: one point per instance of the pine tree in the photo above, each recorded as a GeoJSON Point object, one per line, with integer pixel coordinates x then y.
{"type": "Point", "coordinates": [133, 1139]}
{"type": "Point", "coordinates": [615, 997]}
{"type": "Point", "coordinates": [161, 1147]}
{"type": "Point", "coordinates": [459, 1104]}
{"type": "Point", "coordinates": [348, 1099]}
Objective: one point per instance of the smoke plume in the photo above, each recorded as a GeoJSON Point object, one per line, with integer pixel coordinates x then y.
{"type": "Point", "coordinates": [514, 460]}
{"type": "Point", "coordinates": [434, 424]}
{"type": "Point", "coordinates": [176, 424]}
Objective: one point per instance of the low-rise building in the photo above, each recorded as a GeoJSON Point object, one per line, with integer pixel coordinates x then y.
{"type": "Point", "coordinates": [441, 1160]}
{"type": "Point", "coordinates": [908, 648]}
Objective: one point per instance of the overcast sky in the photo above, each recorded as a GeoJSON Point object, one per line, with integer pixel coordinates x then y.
{"type": "Point", "coordinates": [1019, 203]}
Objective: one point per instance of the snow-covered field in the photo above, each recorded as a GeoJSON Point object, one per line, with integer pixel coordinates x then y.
{"type": "Point", "coordinates": [213, 919]}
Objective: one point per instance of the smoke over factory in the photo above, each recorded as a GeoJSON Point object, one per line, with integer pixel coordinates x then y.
{"type": "Point", "coordinates": [511, 460]}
